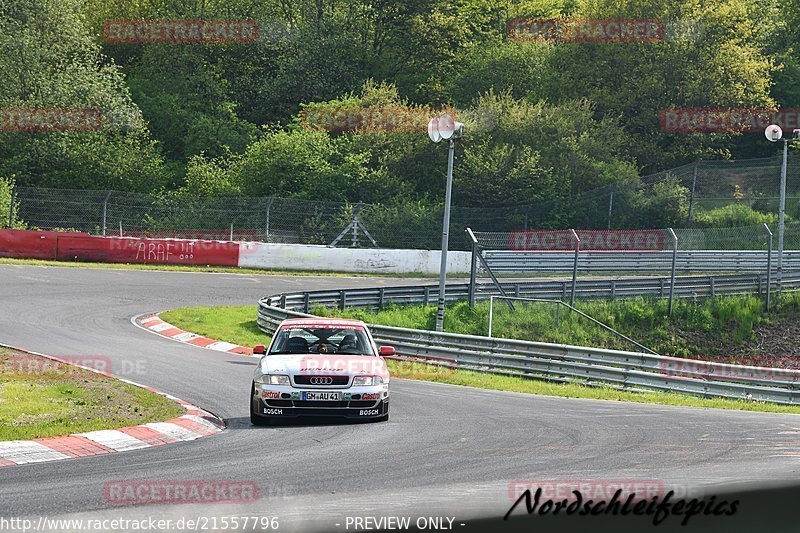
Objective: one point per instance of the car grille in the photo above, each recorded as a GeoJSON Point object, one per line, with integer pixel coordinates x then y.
{"type": "Point", "coordinates": [362, 403]}
{"type": "Point", "coordinates": [335, 381]}
{"type": "Point", "coordinates": [279, 403]}
{"type": "Point", "coordinates": [317, 403]}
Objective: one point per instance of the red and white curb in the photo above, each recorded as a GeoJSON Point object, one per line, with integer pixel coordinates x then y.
{"type": "Point", "coordinates": [154, 324]}
{"type": "Point", "coordinates": [196, 423]}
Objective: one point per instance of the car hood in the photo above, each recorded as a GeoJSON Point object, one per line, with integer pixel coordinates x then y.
{"type": "Point", "coordinates": [330, 364]}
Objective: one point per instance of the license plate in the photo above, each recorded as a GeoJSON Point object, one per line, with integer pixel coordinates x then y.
{"type": "Point", "coordinates": [322, 396]}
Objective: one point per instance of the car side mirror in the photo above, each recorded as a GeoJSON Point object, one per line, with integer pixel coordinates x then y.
{"type": "Point", "coordinates": [259, 350]}
{"type": "Point", "coordinates": [386, 350]}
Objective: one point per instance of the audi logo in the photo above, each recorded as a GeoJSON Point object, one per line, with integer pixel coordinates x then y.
{"type": "Point", "coordinates": [321, 381]}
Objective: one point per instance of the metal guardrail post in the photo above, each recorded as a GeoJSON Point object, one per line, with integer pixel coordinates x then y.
{"type": "Point", "coordinates": [342, 299]}
{"type": "Point", "coordinates": [473, 269]}
{"type": "Point", "coordinates": [381, 295]}
{"type": "Point", "coordinates": [674, 263]}
{"type": "Point", "coordinates": [574, 267]}
{"type": "Point", "coordinates": [769, 263]}
{"type": "Point", "coordinates": [105, 211]}
{"type": "Point", "coordinates": [266, 218]}
{"type": "Point", "coordinates": [306, 302]}
{"type": "Point", "coordinates": [781, 216]}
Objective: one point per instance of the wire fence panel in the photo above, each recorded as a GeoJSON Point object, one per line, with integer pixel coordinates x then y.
{"type": "Point", "coordinates": [687, 193]}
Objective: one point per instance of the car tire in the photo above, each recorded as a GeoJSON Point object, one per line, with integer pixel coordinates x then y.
{"type": "Point", "coordinates": [256, 419]}
{"type": "Point", "coordinates": [385, 417]}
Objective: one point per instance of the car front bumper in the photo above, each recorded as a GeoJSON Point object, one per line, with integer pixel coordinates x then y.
{"type": "Point", "coordinates": [286, 402]}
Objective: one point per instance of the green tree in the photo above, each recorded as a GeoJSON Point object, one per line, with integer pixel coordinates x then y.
{"type": "Point", "coordinates": [49, 60]}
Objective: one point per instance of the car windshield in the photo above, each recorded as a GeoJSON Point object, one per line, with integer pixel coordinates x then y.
{"type": "Point", "coordinates": [337, 340]}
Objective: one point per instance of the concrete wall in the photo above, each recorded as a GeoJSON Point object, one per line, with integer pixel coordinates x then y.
{"type": "Point", "coordinates": [371, 260]}
{"type": "Point", "coordinates": [84, 247]}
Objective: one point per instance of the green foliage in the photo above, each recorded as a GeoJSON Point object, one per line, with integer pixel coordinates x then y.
{"type": "Point", "coordinates": [734, 215]}
{"type": "Point", "coordinates": [705, 327]}
{"type": "Point", "coordinates": [6, 191]}
{"type": "Point", "coordinates": [545, 121]}
{"type": "Point", "coordinates": [196, 113]}
{"type": "Point", "coordinates": [666, 205]}
{"type": "Point", "coordinates": [49, 60]}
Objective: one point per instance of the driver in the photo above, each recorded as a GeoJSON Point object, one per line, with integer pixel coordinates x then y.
{"type": "Point", "coordinates": [349, 342]}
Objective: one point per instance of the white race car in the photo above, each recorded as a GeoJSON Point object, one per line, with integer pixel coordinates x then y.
{"type": "Point", "coordinates": [320, 367]}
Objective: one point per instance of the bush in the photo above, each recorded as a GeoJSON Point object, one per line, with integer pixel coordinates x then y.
{"type": "Point", "coordinates": [734, 215]}
{"type": "Point", "coordinates": [6, 190]}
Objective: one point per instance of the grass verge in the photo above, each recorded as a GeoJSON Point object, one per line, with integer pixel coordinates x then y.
{"type": "Point", "coordinates": [723, 328]}
{"type": "Point", "coordinates": [43, 398]}
{"type": "Point", "coordinates": [237, 325]}
{"type": "Point", "coordinates": [227, 323]}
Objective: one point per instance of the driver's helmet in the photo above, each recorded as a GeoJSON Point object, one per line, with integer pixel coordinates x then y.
{"type": "Point", "coordinates": [349, 342]}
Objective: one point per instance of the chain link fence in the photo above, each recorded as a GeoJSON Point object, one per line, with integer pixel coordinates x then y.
{"type": "Point", "coordinates": [722, 239]}
{"type": "Point", "coordinates": [698, 188]}
{"type": "Point", "coordinates": [267, 219]}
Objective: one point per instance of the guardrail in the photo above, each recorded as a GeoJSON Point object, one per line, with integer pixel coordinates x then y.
{"type": "Point", "coordinates": [553, 362]}
{"type": "Point", "coordinates": [687, 261]}
{"type": "Point", "coordinates": [685, 287]}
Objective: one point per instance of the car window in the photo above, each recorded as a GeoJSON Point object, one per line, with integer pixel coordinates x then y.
{"type": "Point", "coordinates": [349, 341]}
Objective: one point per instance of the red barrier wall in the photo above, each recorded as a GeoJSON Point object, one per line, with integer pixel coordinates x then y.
{"type": "Point", "coordinates": [83, 247]}
{"type": "Point", "coordinates": [148, 251]}
{"type": "Point", "coordinates": [28, 244]}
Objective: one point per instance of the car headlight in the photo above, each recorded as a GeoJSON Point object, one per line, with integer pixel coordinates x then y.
{"type": "Point", "coordinates": [275, 379]}
{"type": "Point", "coordinates": [366, 381]}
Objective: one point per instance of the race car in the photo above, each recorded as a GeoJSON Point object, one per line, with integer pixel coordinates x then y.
{"type": "Point", "coordinates": [320, 367]}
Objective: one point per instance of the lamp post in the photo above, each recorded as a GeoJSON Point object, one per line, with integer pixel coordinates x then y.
{"type": "Point", "coordinates": [446, 128]}
{"type": "Point", "coordinates": [775, 134]}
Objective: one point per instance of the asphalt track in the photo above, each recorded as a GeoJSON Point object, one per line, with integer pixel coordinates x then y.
{"type": "Point", "coordinates": [447, 450]}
